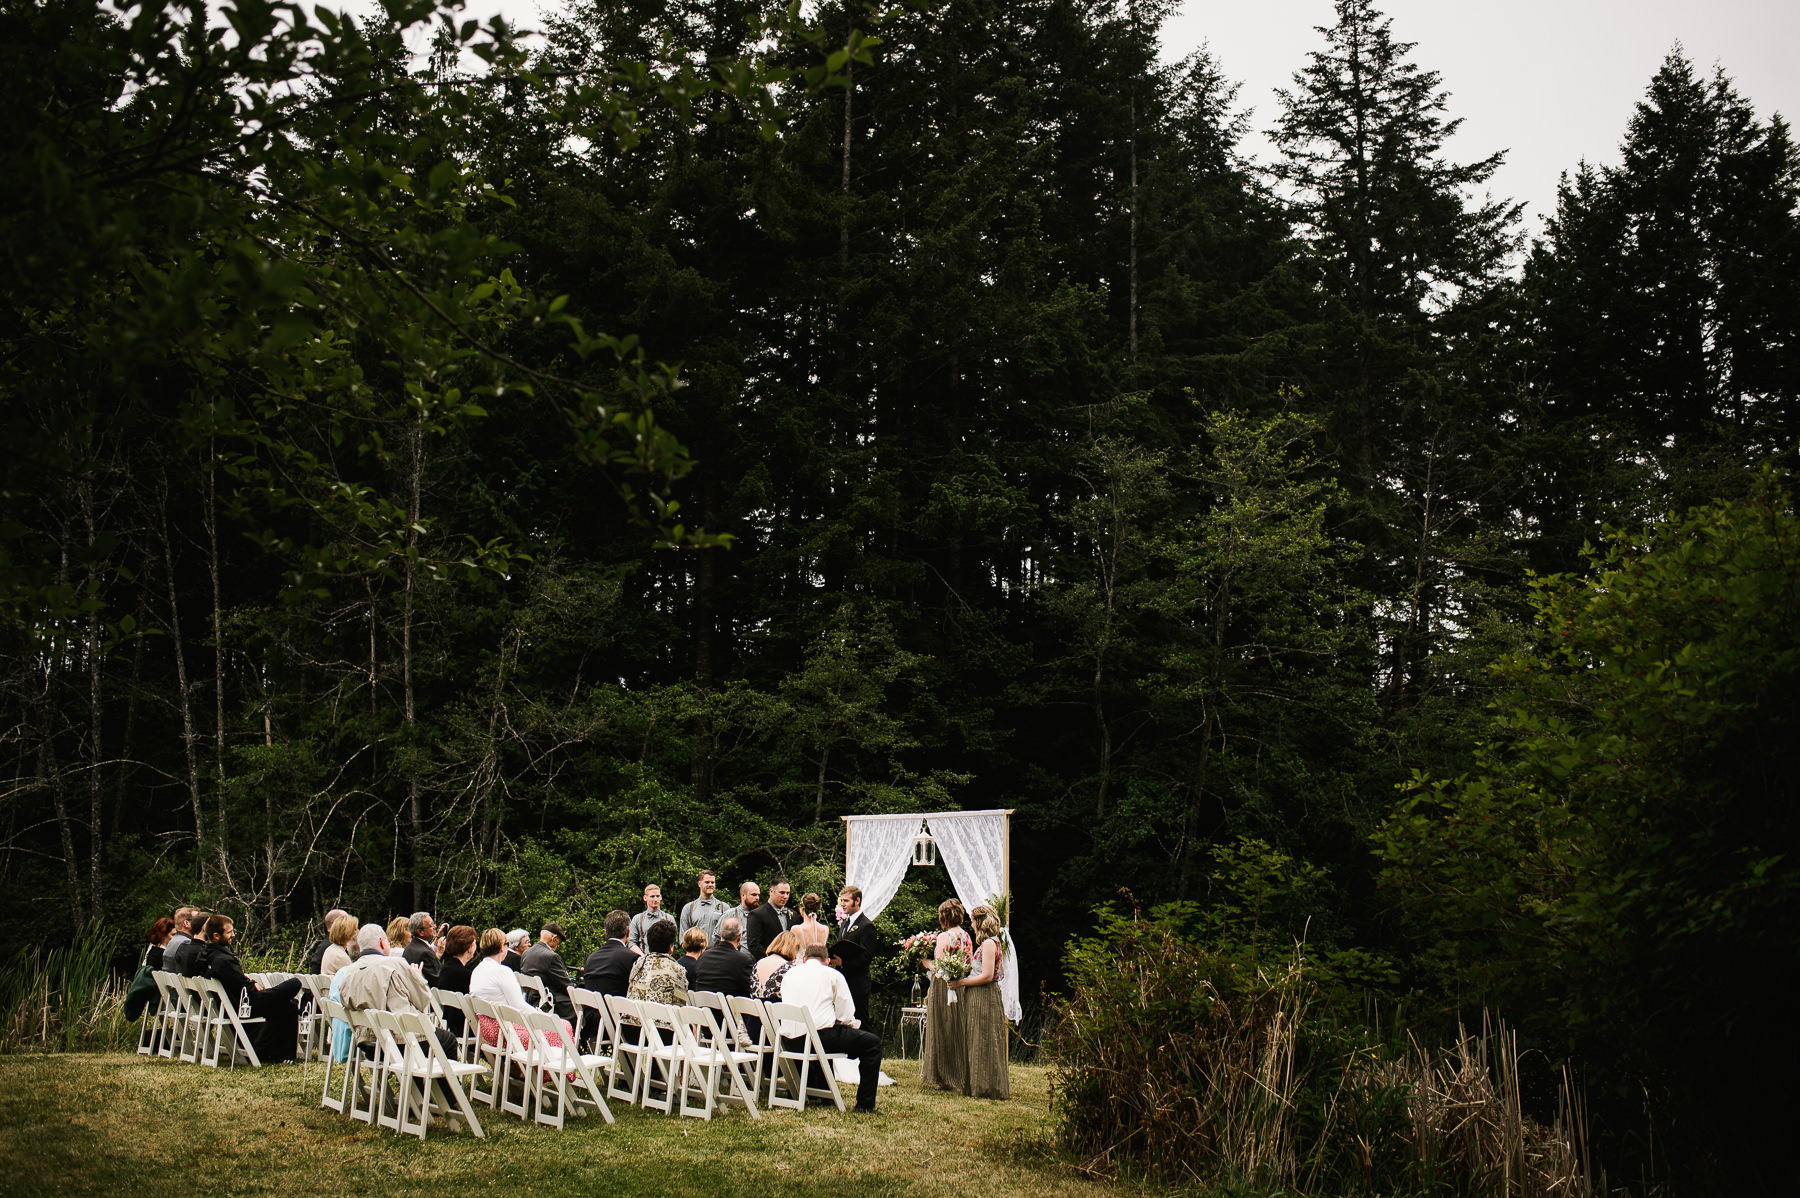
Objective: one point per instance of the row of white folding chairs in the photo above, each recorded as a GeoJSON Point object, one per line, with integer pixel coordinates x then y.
{"type": "Point", "coordinates": [193, 1021]}
{"type": "Point", "coordinates": [405, 1064]}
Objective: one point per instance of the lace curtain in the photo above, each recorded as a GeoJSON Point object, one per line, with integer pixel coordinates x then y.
{"type": "Point", "coordinates": [972, 846]}
{"type": "Point", "coordinates": [880, 851]}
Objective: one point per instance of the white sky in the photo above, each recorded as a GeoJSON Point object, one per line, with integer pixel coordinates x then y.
{"type": "Point", "coordinates": [1551, 82]}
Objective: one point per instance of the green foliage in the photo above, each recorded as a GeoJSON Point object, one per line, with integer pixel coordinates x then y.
{"type": "Point", "coordinates": [1620, 867]}
{"type": "Point", "coordinates": [1180, 1062]}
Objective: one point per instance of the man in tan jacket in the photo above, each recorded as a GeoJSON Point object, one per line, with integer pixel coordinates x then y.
{"type": "Point", "coordinates": [380, 980]}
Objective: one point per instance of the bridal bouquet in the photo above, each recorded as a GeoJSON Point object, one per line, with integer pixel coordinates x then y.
{"type": "Point", "coordinates": [953, 966]}
{"type": "Point", "coordinates": [915, 948]}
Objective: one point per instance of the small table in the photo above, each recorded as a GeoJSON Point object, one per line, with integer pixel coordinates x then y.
{"type": "Point", "coordinates": [913, 1017]}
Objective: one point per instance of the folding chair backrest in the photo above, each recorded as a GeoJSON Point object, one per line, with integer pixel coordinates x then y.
{"type": "Point", "coordinates": [743, 1005]}
{"type": "Point", "coordinates": [534, 989]}
{"type": "Point", "coordinates": [590, 1011]}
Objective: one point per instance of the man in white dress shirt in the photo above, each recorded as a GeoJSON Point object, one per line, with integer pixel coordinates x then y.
{"type": "Point", "coordinates": [822, 990]}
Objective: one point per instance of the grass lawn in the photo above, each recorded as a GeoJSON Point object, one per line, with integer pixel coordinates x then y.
{"type": "Point", "coordinates": [117, 1124]}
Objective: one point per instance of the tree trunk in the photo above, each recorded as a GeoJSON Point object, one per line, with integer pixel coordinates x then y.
{"type": "Point", "coordinates": [218, 633]}
{"type": "Point", "coordinates": [415, 800]}
{"type": "Point", "coordinates": [189, 736]}
{"type": "Point", "coordinates": [93, 650]}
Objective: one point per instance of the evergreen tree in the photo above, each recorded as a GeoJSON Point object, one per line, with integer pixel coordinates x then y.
{"type": "Point", "coordinates": [1666, 297]}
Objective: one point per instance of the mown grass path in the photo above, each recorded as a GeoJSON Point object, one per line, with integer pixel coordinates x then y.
{"type": "Point", "coordinates": [118, 1125]}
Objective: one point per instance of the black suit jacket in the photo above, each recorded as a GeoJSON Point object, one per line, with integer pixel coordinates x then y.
{"type": "Point", "coordinates": [453, 975]}
{"type": "Point", "coordinates": [425, 957]}
{"type": "Point", "coordinates": [546, 965]}
{"type": "Point", "coordinates": [855, 947]}
{"type": "Point", "coordinates": [724, 969]}
{"type": "Point", "coordinates": [224, 968]}
{"type": "Point", "coordinates": [607, 969]}
{"type": "Point", "coordinates": [315, 964]}
{"type": "Point", "coordinates": [765, 924]}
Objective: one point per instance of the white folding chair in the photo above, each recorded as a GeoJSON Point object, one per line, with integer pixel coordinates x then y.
{"type": "Point", "coordinates": [368, 1071]}
{"type": "Point", "coordinates": [329, 1010]}
{"type": "Point", "coordinates": [518, 1054]}
{"type": "Point", "coordinates": [492, 1054]}
{"type": "Point", "coordinates": [792, 1064]}
{"type": "Point", "coordinates": [394, 1066]}
{"type": "Point", "coordinates": [468, 1041]}
{"type": "Point", "coordinates": [565, 1072]}
{"type": "Point", "coordinates": [628, 1052]}
{"type": "Point", "coordinates": [714, 1067]}
{"type": "Point", "coordinates": [197, 1002]}
{"type": "Point", "coordinates": [313, 1029]}
{"type": "Point", "coordinates": [535, 991]}
{"type": "Point", "coordinates": [590, 1014]}
{"type": "Point", "coordinates": [226, 1016]}
{"type": "Point", "coordinates": [664, 1058]}
{"type": "Point", "coordinates": [743, 1010]}
{"type": "Point", "coordinates": [171, 1012]}
{"type": "Point", "coordinates": [434, 1074]}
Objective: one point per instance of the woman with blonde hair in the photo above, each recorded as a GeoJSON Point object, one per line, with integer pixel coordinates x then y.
{"type": "Point", "coordinates": [765, 979]}
{"type": "Point", "coordinates": [984, 1015]}
{"type": "Point", "coordinates": [399, 934]}
{"type": "Point", "coordinates": [337, 955]}
{"type": "Point", "coordinates": [944, 1061]}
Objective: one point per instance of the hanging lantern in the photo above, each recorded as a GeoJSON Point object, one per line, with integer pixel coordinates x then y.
{"type": "Point", "coordinates": [924, 848]}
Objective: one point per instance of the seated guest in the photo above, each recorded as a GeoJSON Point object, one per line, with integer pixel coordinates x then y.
{"type": "Point", "coordinates": [315, 960]}
{"type": "Point", "coordinates": [144, 995]}
{"type": "Point", "coordinates": [765, 981]}
{"type": "Point", "coordinates": [184, 942]}
{"type": "Point", "coordinates": [544, 963]}
{"type": "Point", "coordinates": [656, 978]}
{"type": "Point", "coordinates": [381, 980]}
{"type": "Point", "coordinates": [196, 953]}
{"type": "Point", "coordinates": [495, 983]}
{"type": "Point", "coordinates": [455, 972]}
{"type": "Point", "coordinates": [421, 950]}
{"type": "Point", "coordinates": [399, 935]}
{"type": "Point", "coordinates": [517, 941]}
{"type": "Point", "coordinates": [178, 936]}
{"type": "Point", "coordinates": [343, 933]}
{"type": "Point", "coordinates": [607, 969]}
{"type": "Point", "coordinates": [274, 1037]}
{"type": "Point", "coordinates": [160, 931]}
{"type": "Point", "coordinates": [723, 968]}
{"type": "Point", "coordinates": [822, 991]}
{"type": "Point", "coordinates": [693, 943]}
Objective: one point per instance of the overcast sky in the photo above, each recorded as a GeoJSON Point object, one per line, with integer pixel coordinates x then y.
{"type": "Point", "coordinates": [1549, 81]}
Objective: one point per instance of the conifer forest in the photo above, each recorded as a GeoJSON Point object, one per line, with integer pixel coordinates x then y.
{"type": "Point", "coordinates": [490, 479]}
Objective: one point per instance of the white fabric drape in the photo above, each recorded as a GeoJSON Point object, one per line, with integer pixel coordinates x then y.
{"type": "Point", "coordinates": [972, 846]}
{"type": "Point", "coordinates": [880, 851]}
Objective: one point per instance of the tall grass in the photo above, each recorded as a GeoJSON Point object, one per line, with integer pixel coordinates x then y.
{"type": "Point", "coordinates": [64, 999]}
{"type": "Point", "coordinates": [1176, 1063]}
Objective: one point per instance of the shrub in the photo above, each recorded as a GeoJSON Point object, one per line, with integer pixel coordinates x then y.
{"type": "Point", "coordinates": [1185, 1064]}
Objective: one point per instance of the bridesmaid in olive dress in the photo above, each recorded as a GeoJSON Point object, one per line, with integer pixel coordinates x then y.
{"type": "Point", "coordinates": [983, 1014]}
{"type": "Point", "coordinates": [944, 1062]}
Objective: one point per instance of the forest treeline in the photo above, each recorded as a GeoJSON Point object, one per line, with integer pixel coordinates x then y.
{"type": "Point", "coordinates": [492, 490]}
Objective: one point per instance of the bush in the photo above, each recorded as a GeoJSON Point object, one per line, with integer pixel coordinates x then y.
{"type": "Point", "coordinates": [1177, 1061]}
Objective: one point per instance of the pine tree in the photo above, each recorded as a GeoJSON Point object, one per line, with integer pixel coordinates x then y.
{"type": "Point", "coordinates": [1667, 304]}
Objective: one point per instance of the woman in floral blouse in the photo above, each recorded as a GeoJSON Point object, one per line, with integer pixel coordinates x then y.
{"type": "Point", "coordinates": [656, 977]}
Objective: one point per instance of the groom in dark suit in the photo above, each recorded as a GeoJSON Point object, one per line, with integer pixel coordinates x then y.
{"type": "Point", "coordinates": [855, 949]}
